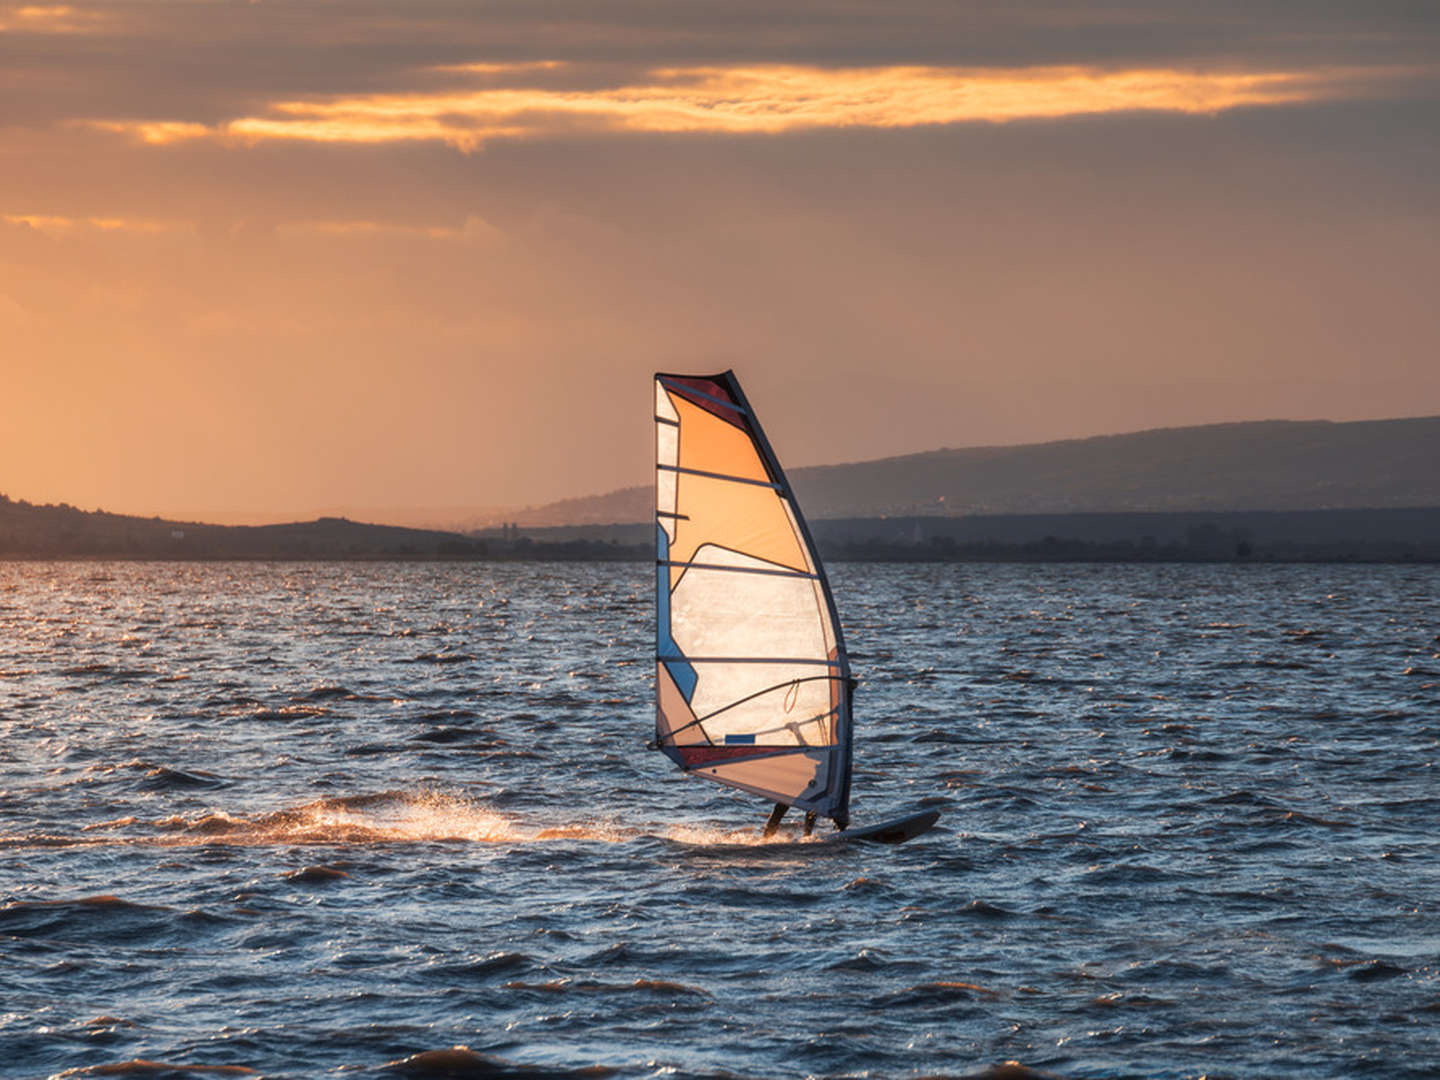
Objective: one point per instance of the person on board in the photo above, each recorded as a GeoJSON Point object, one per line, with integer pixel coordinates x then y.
{"type": "Point", "coordinates": [772, 826]}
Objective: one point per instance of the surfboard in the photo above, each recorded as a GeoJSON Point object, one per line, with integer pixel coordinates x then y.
{"type": "Point", "coordinates": [895, 831]}
{"type": "Point", "coordinates": [753, 684]}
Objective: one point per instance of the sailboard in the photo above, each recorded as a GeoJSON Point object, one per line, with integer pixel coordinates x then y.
{"type": "Point", "coordinates": [753, 685]}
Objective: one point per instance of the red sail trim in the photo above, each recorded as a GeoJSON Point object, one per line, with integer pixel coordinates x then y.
{"type": "Point", "coordinates": [692, 756]}
{"type": "Point", "coordinates": [731, 414]}
{"type": "Point", "coordinates": [718, 386]}
{"type": "Point", "coordinates": [706, 386]}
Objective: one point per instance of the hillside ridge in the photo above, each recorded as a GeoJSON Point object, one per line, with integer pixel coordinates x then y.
{"type": "Point", "coordinates": [1235, 465]}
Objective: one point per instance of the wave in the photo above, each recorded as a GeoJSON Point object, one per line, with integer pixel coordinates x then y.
{"type": "Point", "coordinates": [664, 987]}
{"type": "Point", "coordinates": [158, 1070]}
{"type": "Point", "coordinates": [390, 817]}
{"type": "Point", "coordinates": [462, 1063]}
{"type": "Point", "coordinates": [103, 918]}
{"type": "Point", "coordinates": [941, 992]}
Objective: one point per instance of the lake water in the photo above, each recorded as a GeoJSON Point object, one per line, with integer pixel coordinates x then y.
{"type": "Point", "coordinates": [324, 820]}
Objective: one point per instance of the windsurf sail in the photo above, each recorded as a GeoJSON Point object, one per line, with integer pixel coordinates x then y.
{"type": "Point", "coordinates": [752, 682]}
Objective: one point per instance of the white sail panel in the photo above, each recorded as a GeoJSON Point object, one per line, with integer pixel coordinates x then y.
{"type": "Point", "coordinates": [727, 603]}
{"type": "Point", "coordinates": [755, 619]}
{"type": "Point", "coordinates": [667, 453]}
{"type": "Point", "coordinates": [765, 705]}
{"type": "Point", "coordinates": [793, 776]}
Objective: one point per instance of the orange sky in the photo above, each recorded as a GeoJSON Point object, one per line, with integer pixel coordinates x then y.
{"type": "Point", "coordinates": [271, 259]}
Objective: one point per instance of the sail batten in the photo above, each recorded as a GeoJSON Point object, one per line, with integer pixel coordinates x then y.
{"type": "Point", "coordinates": [761, 660]}
{"type": "Point", "coordinates": [721, 476]}
{"type": "Point", "coordinates": [752, 676]}
{"type": "Point", "coordinates": [737, 569]}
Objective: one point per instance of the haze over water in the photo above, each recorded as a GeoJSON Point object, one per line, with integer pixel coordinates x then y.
{"type": "Point", "coordinates": [311, 819]}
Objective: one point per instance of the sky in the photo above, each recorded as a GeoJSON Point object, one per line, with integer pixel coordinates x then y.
{"type": "Point", "coordinates": [403, 260]}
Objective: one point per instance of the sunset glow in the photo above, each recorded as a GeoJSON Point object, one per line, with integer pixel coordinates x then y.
{"type": "Point", "coordinates": [443, 440]}
{"type": "Point", "coordinates": [764, 100]}
{"type": "Point", "coordinates": [47, 19]}
{"type": "Point", "coordinates": [398, 261]}
{"type": "Point", "coordinates": [58, 224]}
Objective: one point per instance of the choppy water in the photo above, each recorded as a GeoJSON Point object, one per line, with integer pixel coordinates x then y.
{"type": "Point", "coordinates": [316, 820]}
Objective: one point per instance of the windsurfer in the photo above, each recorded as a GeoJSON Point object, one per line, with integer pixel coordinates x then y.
{"type": "Point", "coordinates": [772, 826]}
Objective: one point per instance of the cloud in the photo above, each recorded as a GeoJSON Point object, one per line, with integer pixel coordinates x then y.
{"type": "Point", "coordinates": [762, 100]}
{"type": "Point", "coordinates": [473, 230]}
{"type": "Point", "coordinates": [175, 62]}
{"type": "Point", "coordinates": [60, 224]}
{"type": "Point", "coordinates": [48, 19]}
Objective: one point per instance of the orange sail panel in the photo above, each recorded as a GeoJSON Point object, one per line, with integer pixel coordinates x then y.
{"type": "Point", "coordinates": [753, 685]}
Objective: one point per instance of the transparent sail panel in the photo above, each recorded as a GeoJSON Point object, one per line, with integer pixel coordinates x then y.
{"type": "Point", "coordinates": [752, 681]}
{"type": "Point", "coordinates": [667, 453]}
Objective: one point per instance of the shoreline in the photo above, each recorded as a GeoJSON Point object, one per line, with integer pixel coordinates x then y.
{"type": "Point", "coordinates": [892, 558]}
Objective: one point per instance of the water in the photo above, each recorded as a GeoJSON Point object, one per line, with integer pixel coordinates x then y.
{"type": "Point", "coordinates": [332, 820]}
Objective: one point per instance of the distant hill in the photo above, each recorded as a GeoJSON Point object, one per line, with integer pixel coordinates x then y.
{"type": "Point", "coordinates": [63, 531]}
{"type": "Point", "coordinates": [1270, 491]}
{"type": "Point", "coordinates": [1264, 465]}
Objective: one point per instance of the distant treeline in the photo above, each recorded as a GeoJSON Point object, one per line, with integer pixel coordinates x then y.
{"type": "Point", "coordinates": [1069, 549]}
{"type": "Point", "coordinates": [1389, 535]}
{"type": "Point", "coordinates": [1385, 535]}
{"type": "Point", "coordinates": [65, 532]}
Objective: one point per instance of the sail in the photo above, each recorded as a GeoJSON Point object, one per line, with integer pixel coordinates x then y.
{"type": "Point", "coordinates": [752, 681]}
